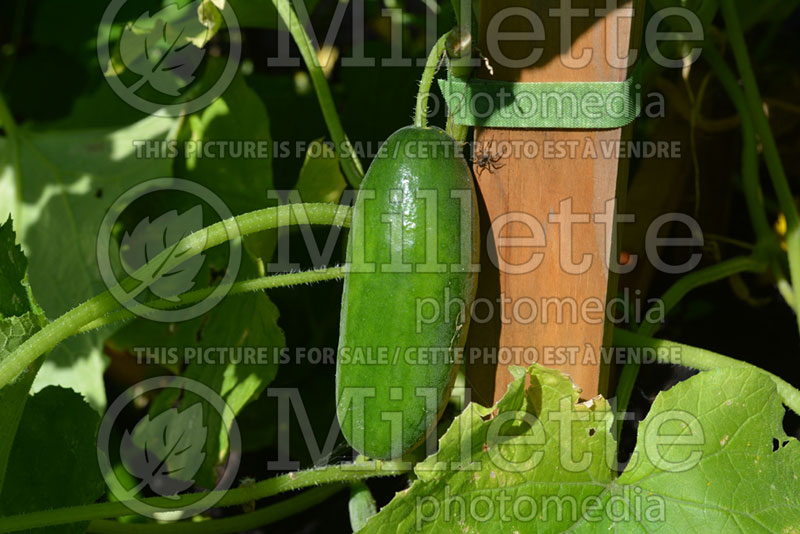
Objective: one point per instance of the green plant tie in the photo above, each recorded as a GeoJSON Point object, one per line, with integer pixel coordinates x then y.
{"type": "Point", "coordinates": [558, 105]}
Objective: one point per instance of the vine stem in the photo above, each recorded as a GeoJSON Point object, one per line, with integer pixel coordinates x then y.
{"type": "Point", "coordinates": [754, 197]}
{"type": "Point", "coordinates": [346, 473]}
{"type": "Point", "coordinates": [770, 147]}
{"type": "Point", "coordinates": [750, 179]}
{"type": "Point", "coordinates": [703, 277]}
{"type": "Point", "coordinates": [460, 65]}
{"type": "Point", "coordinates": [669, 300]}
{"type": "Point", "coordinates": [703, 360]}
{"type": "Point", "coordinates": [351, 165]}
{"type": "Point", "coordinates": [428, 74]}
{"type": "Point", "coordinates": [228, 525]}
{"type": "Point", "coordinates": [192, 245]}
{"type": "Point", "coordinates": [245, 286]}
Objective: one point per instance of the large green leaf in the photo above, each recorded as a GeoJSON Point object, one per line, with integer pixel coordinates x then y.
{"type": "Point", "coordinates": [69, 179]}
{"type": "Point", "coordinates": [9, 185]}
{"type": "Point", "coordinates": [704, 462]}
{"type": "Point", "coordinates": [236, 157]}
{"type": "Point", "coordinates": [54, 458]}
{"type": "Point", "coordinates": [520, 459]}
{"type": "Point", "coordinates": [725, 476]}
{"type": "Point", "coordinates": [20, 318]}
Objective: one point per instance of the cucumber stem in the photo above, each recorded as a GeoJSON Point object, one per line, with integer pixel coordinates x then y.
{"type": "Point", "coordinates": [431, 66]}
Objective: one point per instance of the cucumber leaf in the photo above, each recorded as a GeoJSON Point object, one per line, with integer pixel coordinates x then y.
{"type": "Point", "coordinates": [53, 462]}
{"type": "Point", "coordinates": [20, 318]}
{"type": "Point", "coordinates": [704, 461]}
{"type": "Point", "coordinates": [68, 180]}
{"type": "Point", "coordinates": [516, 457]}
{"type": "Point", "coordinates": [730, 420]}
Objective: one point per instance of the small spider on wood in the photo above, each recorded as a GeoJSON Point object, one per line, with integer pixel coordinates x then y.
{"type": "Point", "coordinates": [485, 160]}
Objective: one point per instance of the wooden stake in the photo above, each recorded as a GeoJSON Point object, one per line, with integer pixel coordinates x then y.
{"type": "Point", "coordinates": [543, 187]}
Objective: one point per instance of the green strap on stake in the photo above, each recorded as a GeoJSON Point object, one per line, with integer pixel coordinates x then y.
{"type": "Point", "coordinates": [558, 105]}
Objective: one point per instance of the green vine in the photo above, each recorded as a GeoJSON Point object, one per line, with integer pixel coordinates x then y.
{"type": "Point", "coordinates": [754, 197]}
{"type": "Point", "coordinates": [771, 155]}
{"type": "Point", "coordinates": [245, 286]}
{"type": "Point", "coordinates": [428, 74]}
{"type": "Point", "coordinates": [703, 360]}
{"type": "Point", "coordinates": [351, 165]}
{"type": "Point", "coordinates": [456, 47]}
{"type": "Point", "coordinates": [105, 309]}
{"type": "Point", "coordinates": [750, 179]}
{"type": "Point", "coordinates": [95, 308]}
{"type": "Point", "coordinates": [227, 525]}
{"type": "Point", "coordinates": [754, 123]}
{"type": "Point", "coordinates": [703, 277]}
{"type": "Point", "coordinates": [345, 473]}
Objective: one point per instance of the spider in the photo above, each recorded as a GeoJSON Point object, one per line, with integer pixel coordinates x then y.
{"type": "Point", "coordinates": [488, 161]}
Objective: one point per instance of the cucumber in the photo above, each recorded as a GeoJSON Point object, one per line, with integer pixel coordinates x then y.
{"type": "Point", "coordinates": [403, 267]}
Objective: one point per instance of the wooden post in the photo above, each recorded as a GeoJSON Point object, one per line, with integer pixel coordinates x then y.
{"type": "Point", "coordinates": [544, 187]}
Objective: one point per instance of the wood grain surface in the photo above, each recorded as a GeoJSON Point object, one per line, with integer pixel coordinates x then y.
{"type": "Point", "coordinates": [528, 196]}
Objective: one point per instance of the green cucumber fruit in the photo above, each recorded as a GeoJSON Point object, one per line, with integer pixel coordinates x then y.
{"type": "Point", "coordinates": [409, 285]}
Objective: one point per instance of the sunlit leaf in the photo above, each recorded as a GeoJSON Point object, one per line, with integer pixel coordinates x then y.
{"type": "Point", "coordinates": [704, 461]}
